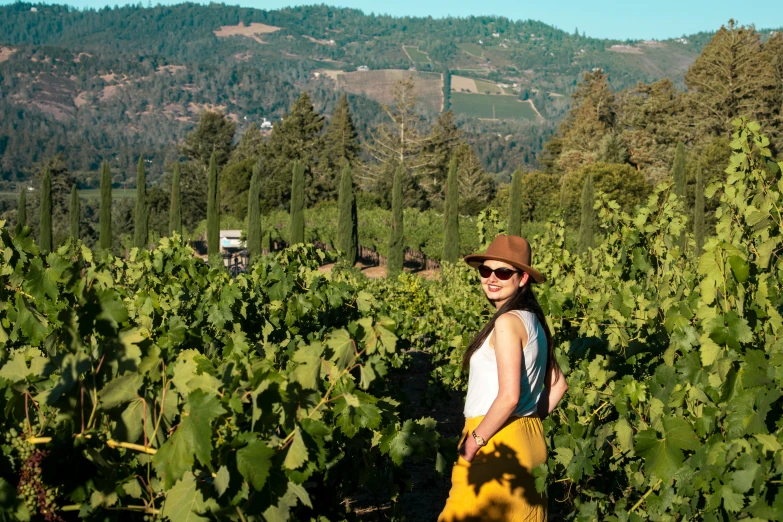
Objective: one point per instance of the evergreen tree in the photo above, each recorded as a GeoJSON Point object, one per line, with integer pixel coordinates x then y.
{"type": "Point", "coordinates": [731, 77]}
{"type": "Point", "coordinates": [515, 205]}
{"type": "Point", "coordinates": [348, 222]}
{"type": "Point", "coordinates": [140, 218]}
{"type": "Point", "coordinates": [678, 178]}
{"type": "Point", "coordinates": [105, 237]}
{"type": "Point", "coordinates": [214, 135]}
{"type": "Point", "coordinates": [296, 234]}
{"type": "Point", "coordinates": [587, 226]}
{"type": "Point", "coordinates": [21, 210]}
{"type": "Point", "coordinates": [75, 214]}
{"type": "Point", "coordinates": [340, 143]}
{"type": "Point", "coordinates": [612, 149]}
{"type": "Point", "coordinates": [254, 215]}
{"type": "Point", "coordinates": [213, 217]}
{"type": "Point", "coordinates": [296, 137]}
{"type": "Point", "coordinates": [446, 90]}
{"type": "Point", "coordinates": [396, 254]}
{"type": "Point", "coordinates": [45, 239]}
{"type": "Point", "coordinates": [451, 216]}
{"type": "Point", "coordinates": [443, 141]}
{"type": "Point", "coordinates": [698, 211]}
{"type": "Point", "coordinates": [175, 207]}
{"type": "Point", "coordinates": [678, 171]}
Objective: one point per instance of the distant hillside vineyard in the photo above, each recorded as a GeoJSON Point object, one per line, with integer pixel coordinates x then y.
{"type": "Point", "coordinates": [118, 82]}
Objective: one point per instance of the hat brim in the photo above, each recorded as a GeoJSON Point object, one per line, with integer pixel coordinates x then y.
{"type": "Point", "coordinates": [475, 260]}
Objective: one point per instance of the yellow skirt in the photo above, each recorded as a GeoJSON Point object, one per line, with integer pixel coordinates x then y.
{"type": "Point", "coordinates": [498, 485]}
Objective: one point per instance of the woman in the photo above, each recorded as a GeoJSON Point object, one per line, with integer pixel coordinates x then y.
{"type": "Point", "coordinates": [514, 382]}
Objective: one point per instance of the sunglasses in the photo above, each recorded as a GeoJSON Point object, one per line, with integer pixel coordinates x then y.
{"type": "Point", "coordinates": [501, 273]}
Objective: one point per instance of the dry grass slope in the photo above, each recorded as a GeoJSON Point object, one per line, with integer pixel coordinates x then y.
{"type": "Point", "coordinates": [251, 31]}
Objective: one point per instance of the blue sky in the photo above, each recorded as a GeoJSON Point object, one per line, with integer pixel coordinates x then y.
{"type": "Point", "coordinates": [598, 18]}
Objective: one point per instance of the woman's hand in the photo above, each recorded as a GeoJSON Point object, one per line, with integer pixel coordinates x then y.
{"type": "Point", "coordinates": [469, 448]}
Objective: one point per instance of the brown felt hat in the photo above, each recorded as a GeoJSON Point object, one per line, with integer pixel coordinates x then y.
{"type": "Point", "coordinates": [514, 250]}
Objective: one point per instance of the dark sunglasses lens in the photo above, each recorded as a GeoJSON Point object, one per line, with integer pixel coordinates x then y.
{"type": "Point", "coordinates": [502, 273]}
{"type": "Point", "coordinates": [484, 271]}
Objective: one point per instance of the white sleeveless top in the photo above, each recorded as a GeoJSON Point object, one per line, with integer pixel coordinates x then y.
{"type": "Point", "coordinates": [483, 378]}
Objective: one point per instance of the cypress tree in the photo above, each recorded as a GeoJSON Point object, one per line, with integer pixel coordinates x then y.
{"type": "Point", "coordinates": [586, 228]}
{"type": "Point", "coordinates": [45, 239]}
{"type": "Point", "coordinates": [396, 254]}
{"type": "Point", "coordinates": [213, 219]}
{"type": "Point", "coordinates": [296, 234]}
{"type": "Point", "coordinates": [515, 205]}
{"type": "Point", "coordinates": [451, 216]}
{"type": "Point", "coordinates": [105, 236]}
{"type": "Point", "coordinates": [698, 212]}
{"type": "Point", "coordinates": [140, 215]}
{"type": "Point", "coordinates": [678, 170]}
{"type": "Point", "coordinates": [175, 208]}
{"type": "Point", "coordinates": [254, 215]}
{"type": "Point", "coordinates": [75, 213]}
{"type": "Point", "coordinates": [348, 221]}
{"type": "Point", "coordinates": [21, 210]}
{"type": "Point", "coordinates": [678, 178]}
{"type": "Point", "coordinates": [446, 89]}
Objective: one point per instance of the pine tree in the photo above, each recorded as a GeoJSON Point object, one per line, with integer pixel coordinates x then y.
{"type": "Point", "coordinates": [105, 237]}
{"type": "Point", "coordinates": [348, 222]}
{"type": "Point", "coordinates": [296, 234]}
{"type": "Point", "coordinates": [396, 257]}
{"type": "Point", "coordinates": [45, 239]}
{"type": "Point", "coordinates": [21, 211]}
{"type": "Point", "coordinates": [730, 78]}
{"type": "Point", "coordinates": [140, 217]}
{"type": "Point", "coordinates": [698, 211]}
{"type": "Point", "coordinates": [175, 207]}
{"type": "Point", "coordinates": [587, 226]}
{"type": "Point", "coordinates": [75, 214]}
{"type": "Point", "coordinates": [612, 149]}
{"type": "Point", "coordinates": [254, 215]}
{"type": "Point", "coordinates": [340, 143]}
{"type": "Point", "coordinates": [213, 217]}
{"type": "Point", "coordinates": [515, 205]}
{"type": "Point", "coordinates": [213, 136]}
{"type": "Point", "coordinates": [451, 216]}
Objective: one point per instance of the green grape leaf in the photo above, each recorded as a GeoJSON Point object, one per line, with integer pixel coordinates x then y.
{"type": "Point", "coordinates": [308, 370]}
{"type": "Point", "coordinates": [297, 451]}
{"type": "Point", "coordinates": [624, 434]}
{"type": "Point", "coordinates": [254, 462]}
{"type": "Point", "coordinates": [192, 439]}
{"type": "Point", "coordinates": [120, 390]}
{"type": "Point", "coordinates": [732, 500]}
{"type": "Point", "coordinates": [16, 368]}
{"type": "Point", "coordinates": [356, 411]}
{"type": "Point", "coordinates": [222, 480]}
{"type": "Point", "coordinates": [184, 502]}
{"type": "Point", "coordinates": [342, 348]}
{"type": "Point", "coordinates": [664, 456]}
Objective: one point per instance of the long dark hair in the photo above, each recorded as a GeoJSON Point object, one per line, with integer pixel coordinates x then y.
{"type": "Point", "coordinates": [522, 299]}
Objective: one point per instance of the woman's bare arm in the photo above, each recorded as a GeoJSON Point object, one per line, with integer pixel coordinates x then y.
{"type": "Point", "coordinates": [553, 391]}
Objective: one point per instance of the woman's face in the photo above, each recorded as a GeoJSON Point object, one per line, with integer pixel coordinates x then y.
{"type": "Point", "coordinates": [497, 290]}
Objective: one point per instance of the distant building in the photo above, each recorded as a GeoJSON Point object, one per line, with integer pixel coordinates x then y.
{"type": "Point", "coordinates": [332, 42]}
{"type": "Point", "coordinates": [496, 35]}
{"type": "Point", "coordinates": [481, 42]}
{"type": "Point", "coordinates": [230, 239]}
{"type": "Point", "coordinates": [266, 124]}
{"type": "Point", "coordinates": [362, 68]}
{"type": "Point", "coordinates": [33, 9]}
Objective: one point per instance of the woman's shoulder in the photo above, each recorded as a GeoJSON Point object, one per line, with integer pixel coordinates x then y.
{"type": "Point", "coordinates": [511, 320]}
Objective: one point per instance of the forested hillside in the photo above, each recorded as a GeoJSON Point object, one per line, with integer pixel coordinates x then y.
{"type": "Point", "coordinates": [117, 83]}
